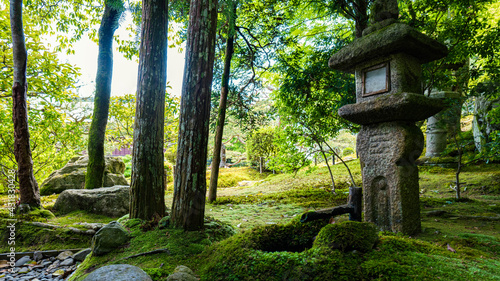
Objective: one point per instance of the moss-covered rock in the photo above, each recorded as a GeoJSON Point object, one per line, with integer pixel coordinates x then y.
{"type": "Point", "coordinates": [72, 175]}
{"type": "Point", "coordinates": [348, 236]}
{"type": "Point", "coordinates": [109, 238]}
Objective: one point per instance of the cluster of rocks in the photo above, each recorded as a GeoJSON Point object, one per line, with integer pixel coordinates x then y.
{"type": "Point", "coordinates": [40, 268]}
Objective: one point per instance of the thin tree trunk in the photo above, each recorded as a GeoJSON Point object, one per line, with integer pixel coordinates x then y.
{"type": "Point", "coordinates": [214, 176]}
{"type": "Point", "coordinates": [188, 206]}
{"type": "Point", "coordinates": [459, 166]}
{"type": "Point", "coordinates": [109, 23]}
{"type": "Point", "coordinates": [28, 187]}
{"type": "Point", "coordinates": [327, 165]}
{"type": "Point", "coordinates": [147, 191]}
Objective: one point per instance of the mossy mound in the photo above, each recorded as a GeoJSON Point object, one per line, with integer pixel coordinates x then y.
{"type": "Point", "coordinates": [265, 253]}
{"type": "Point", "coordinates": [348, 236]}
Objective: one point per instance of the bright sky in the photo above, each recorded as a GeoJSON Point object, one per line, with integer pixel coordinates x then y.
{"type": "Point", "coordinates": [124, 71]}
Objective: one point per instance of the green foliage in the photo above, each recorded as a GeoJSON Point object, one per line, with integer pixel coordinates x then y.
{"type": "Point", "coordinates": [291, 155]}
{"type": "Point", "coordinates": [260, 143]}
{"type": "Point", "coordinates": [120, 128]}
{"type": "Point", "coordinates": [56, 128]}
{"type": "Point", "coordinates": [347, 151]}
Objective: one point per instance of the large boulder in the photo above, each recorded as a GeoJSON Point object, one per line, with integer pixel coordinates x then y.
{"type": "Point", "coordinates": [118, 272]}
{"type": "Point", "coordinates": [72, 175]}
{"type": "Point", "coordinates": [107, 201]}
{"type": "Point", "coordinates": [108, 238]}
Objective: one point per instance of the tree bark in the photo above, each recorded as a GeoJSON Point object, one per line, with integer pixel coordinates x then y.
{"type": "Point", "coordinates": [109, 23]}
{"type": "Point", "coordinates": [361, 16]}
{"type": "Point", "coordinates": [147, 191]}
{"type": "Point", "coordinates": [212, 192]}
{"type": "Point", "coordinates": [28, 187]}
{"type": "Point", "coordinates": [188, 207]}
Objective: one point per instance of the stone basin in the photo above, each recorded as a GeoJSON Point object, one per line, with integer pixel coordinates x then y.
{"type": "Point", "coordinates": [408, 107]}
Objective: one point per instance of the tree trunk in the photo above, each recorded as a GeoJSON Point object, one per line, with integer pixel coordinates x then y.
{"type": "Point", "coordinates": [328, 166]}
{"type": "Point", "coordinates": [188, 207]}
{"type": "Point", "coordinates": [28, 187]}
{"type": "Point", "coordinates": [212, 192]}
{"type": "Point", "coordinates": [147, 191]}
{"type": "Point", "coordinates": [361, 14]}
{"type": "Point", "coordinates": [109, 23]}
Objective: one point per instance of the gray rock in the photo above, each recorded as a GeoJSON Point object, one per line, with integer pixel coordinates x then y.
{"type": "Point", "coordinates": [64, 255]}
{"type": "Point", "coordinates": [80, 256]}
{"type": "Point", "coordinates": [109, 238]}
{"type": "Point", "coordinates": [118, 272]}
{"type": "Point", "coordinates": [72, 175]}
{"type": "Point", "coordinates": [185, 269]}
{"type": "Point", "coordinates": [22, 261]}
{"type": "Point", "coordinates": [109, 201]}
{"type": "Point", "coordinates": [181, 276]}
{"type": "Point", "coordinates": [37, 256]}
{"type": "Point", "coordinates": [24, 208]}
{"type": "Point", "coordinates": [24, 270]}
{"type": "Point", "coordinates": [67, 262]}
{"type": "Point", "coordinates": [182, 273]}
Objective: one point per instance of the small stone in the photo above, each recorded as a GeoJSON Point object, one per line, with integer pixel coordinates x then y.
{"type": "Point", "coordinates": [46, 262]}
{"type": "Point", "coordinates": [37, 256]}
{"type": "Point", "coordinates": [67, 262]}
{"type": "Point", "coordinates": [20, 262]}
{"type": "Point", "coordinates": [24, 270]}
{"type": "Point", "coordinates": [183, 268]}
{"type": "Point", "coordinates": [64, 255]}
{"type": "Point", "coordinates": [80, 256]}
{"type": "Point", "coordinates": [53, 266]}
{"type": "Point", "coordinates": [58, 273]}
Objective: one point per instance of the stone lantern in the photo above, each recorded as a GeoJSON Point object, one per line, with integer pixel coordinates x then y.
{"type": "Point", "coordinates": [389, 100]}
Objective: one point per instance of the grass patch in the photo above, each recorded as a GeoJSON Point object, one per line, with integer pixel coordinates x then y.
{"type": "Point", "coordinates": [230, 177]}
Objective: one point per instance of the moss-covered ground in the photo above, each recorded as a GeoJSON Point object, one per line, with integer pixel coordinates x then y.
{"type": "Point", "coordinates": [271, 244]}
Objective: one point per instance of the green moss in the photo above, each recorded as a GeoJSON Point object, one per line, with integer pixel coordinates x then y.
{"type": "Point", "coordinates": [183, 248]}
{"type": "Point", "coordinates": [347, 236]}
{"type": "Point", "coordinates": [31, 238]}
{"type": "Point", "coordinates": [37, 215]}
{"type": "Point", "coordinates": [232, 176]}
{"type": "Point", "coordinates": [309, 197]}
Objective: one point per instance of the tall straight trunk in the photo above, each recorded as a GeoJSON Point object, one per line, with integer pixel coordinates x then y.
{"type": "Point", "coordinates": [214, 176]}
{"type": "Point", "coordinates": [188, 207]}
{"type": "Point", "coordinates": [147, 191]}
{"type": "Point", "coordinates": [109, 23]}
{"type": "Point", "coordinates": [28, 187]}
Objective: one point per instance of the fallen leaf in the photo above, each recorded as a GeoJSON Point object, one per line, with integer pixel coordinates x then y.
{"type": "Point", "coordinates": [450, 248]}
